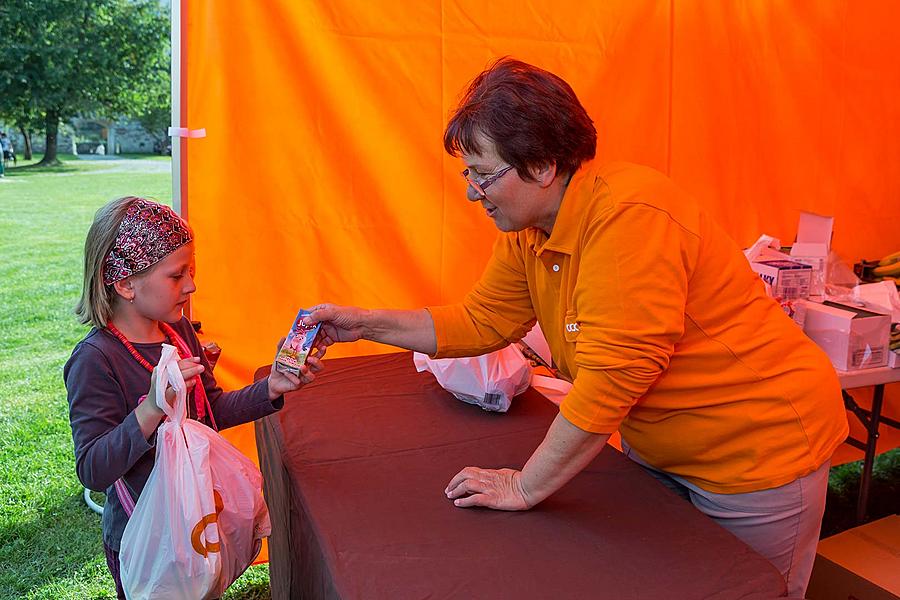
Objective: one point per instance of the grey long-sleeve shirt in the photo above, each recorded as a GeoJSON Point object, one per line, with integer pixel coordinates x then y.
{"type": "Point", "coordinates": [104, 383]}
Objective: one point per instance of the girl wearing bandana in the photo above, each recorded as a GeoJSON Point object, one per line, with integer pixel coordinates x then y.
{"type": "Point", "coordinates": [138, 276]}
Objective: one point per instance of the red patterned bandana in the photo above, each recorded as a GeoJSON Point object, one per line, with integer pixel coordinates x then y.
{"type": "Point", "coordinates": [148, 233]}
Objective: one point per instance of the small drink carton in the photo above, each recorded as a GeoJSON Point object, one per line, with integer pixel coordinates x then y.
{"type": "Point", "coordinates": [297, 345]}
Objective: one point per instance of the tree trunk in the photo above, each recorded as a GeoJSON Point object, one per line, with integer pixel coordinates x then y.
{"type": "Point", "coordinates": [52, 123]}
{"type": "Point", "coordinates": [26, 135]}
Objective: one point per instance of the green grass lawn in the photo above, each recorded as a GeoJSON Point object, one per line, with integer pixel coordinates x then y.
{"type": "Point", "coordinates": [50, 545]}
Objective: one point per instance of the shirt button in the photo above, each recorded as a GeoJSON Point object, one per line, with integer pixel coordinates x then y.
{"type": "Point", "coordinates": [555, 268]}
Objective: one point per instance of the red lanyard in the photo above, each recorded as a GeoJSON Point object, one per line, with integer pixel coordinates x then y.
{"type": "Point", "coordinates": [200, 399]}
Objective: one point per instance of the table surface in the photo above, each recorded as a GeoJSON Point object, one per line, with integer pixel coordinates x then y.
{"type": "Point", "coordinates": [866, 377]}
{"type": "Point", "coordinates": [368, 448]}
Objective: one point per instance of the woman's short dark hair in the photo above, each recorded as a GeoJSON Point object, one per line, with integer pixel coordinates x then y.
{"type": "Point", "coordinates": [532, 116]}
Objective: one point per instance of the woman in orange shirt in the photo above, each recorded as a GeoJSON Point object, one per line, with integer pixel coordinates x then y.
{"type": "Point", "coordinates": [649, 309]}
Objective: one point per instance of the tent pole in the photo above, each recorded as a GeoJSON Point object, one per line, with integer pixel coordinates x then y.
{"type": "Point", "coordinates": [178, 203]}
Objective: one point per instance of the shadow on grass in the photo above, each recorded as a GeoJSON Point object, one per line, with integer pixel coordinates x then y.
{"type": "Point", "coordinates": [162, 157]}
{"type": "Point", "coordinates": [43, 554]}
{"type": "Point", "coordinates": [64, 539]}
{"type": "Point", "coordinates": [36, 169]}
{"type": "Point", "coordinates": [71, 163]}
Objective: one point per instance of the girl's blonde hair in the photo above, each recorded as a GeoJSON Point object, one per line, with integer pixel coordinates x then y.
{"type": "Point", "coordinates": [96, 302]}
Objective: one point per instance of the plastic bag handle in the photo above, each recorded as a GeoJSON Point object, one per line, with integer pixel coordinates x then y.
{"type": "Point", "coordinates": [168, 373]}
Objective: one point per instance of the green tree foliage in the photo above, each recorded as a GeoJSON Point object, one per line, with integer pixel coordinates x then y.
{"type": "Point", "coordinates": [62, 58]}
{"type": "Point", "coordinates": [152, 105]}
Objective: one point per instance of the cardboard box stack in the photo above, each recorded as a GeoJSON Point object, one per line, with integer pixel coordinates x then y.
{"type": "Point", "coordinates": [812, 247]}
{"type": "Point", "coordinates": [786, 281]}
{"type": "Point", "coordinates": [855, 334]}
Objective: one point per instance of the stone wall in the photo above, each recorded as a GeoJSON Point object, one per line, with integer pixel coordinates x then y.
{"type": "Point", "coordinates": [127, 136]}
{"type": "Point", "coordinates": [130, 137]}
{"type": "Point", "coordinates": [64, 141]}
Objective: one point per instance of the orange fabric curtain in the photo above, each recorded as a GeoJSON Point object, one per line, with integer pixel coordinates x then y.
{"type": "Point", "coordinates": [323, 178]}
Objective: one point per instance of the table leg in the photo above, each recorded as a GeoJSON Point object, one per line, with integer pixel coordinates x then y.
{"type": "Point", "coordinates": [269, 443]}
{"type": "Point", "coordinates": [866, 479]}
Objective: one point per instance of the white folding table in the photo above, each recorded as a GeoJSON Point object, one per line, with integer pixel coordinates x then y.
{"type": "Point", "coordinates": [871, 420]}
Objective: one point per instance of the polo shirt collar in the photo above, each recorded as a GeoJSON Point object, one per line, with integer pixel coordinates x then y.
{"type": "Point", "coordinates": [572, 211]}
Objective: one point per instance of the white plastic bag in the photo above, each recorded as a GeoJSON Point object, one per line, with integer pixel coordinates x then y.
{"type": "Point", "coordinates": [201, 518]}
{"type": "Point", "coordinates": [489, 381]}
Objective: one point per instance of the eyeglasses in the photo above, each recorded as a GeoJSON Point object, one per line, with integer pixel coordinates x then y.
{"type": "Point", "coordinates": [480, 186]}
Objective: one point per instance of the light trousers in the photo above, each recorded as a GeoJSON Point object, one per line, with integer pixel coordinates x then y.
{"type": "Point", "coordinates": [782, 524]}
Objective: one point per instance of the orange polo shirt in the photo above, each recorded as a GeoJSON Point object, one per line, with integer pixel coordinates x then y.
{"type": "Point", "coordinates": [653, 313]}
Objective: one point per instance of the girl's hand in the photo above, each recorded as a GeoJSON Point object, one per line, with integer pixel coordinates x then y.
{"type": "Point", "coordinates": [151, 395]}
{"type": "Point", "coordinates": [148, 414]}
{"type": "Point", "coordinates": [190, 368]}
{"type": "Point", "coordinates": [282, 383]}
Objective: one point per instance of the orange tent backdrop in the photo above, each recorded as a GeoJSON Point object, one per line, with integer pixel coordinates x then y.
{"type": "Point", "coordinates": [323, 176]}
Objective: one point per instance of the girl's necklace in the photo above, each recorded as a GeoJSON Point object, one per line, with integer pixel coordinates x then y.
{"type": "Point", "coordinates": [200, 398]}
{"type": "Point", "coordinates": [130, 347]}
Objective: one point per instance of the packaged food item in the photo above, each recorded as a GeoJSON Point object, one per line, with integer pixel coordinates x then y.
{"type": "Point", "coordinates": [212, 352]}
{"type": "Point", "coordinates": [789, 280]}
{"type": "Point", "coordinates": [297, 345]}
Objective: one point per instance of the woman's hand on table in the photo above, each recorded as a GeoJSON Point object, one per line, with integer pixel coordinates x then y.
{"type": "Point", "coordinates": [565, 451]}
{"type": "Point", "coordinates": [281, 383]}
{"type": "Point", "coordinates": [498, 489]}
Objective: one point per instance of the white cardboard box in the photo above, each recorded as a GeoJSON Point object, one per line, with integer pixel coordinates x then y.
{"type": "Point", "coordinates": [788, 279]}
{"type": "Point", "coordinates": [812, 246]}
{"type": "Point", "coordinates": [853, 338]}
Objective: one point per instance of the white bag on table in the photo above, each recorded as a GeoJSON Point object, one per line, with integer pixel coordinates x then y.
{"type": "Point", "coordinates": [201, 518]}
{"type": "Point", "coordinates": [489, 381]}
